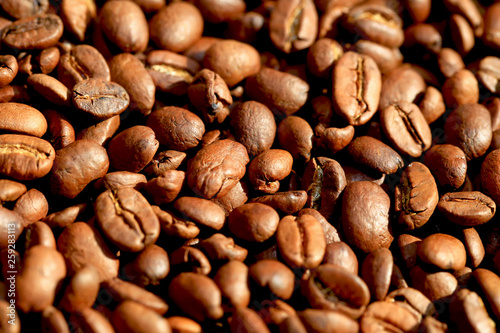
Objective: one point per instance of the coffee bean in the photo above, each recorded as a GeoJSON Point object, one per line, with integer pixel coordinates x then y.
{"type": "Point", "coordinates": [467, 208]}
{"type": "Point", "coordinates": [444, 251]}
{"type": "Point", "coordinates": [34, 32]}
{"type": "Point", "coordinates": [253, 222]}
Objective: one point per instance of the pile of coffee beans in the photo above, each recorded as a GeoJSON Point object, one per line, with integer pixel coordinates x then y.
{"type": "Point", "coordinates": [249, 166]}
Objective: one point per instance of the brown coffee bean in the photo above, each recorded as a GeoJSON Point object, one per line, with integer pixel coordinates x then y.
{"type": "Point", "coordinates": [469, 10]}
{"type": "Point", "coordinates": [130, 73]}
{"type": "Point", "coordinates": [443, 251]}
{"type": "Point", "coordinates": [25, 157]}
{"type": "Point", "coordinates": [82, 290]}
{"type": "Point", "coordinates": [467, 208]}
{"type": "Point", "coordinates": [293, 25]}
{"type": "Point", "coordinates": [217, 168]}
{"type": "Point", "coordinates": [11, 190]}
{"type": "Point", "coordinates": [165, 188]}
{"type": "Point", "coordinates": [60, 129]}
{"type": "Point", "coordinates": [176, 226]}
{"type": "Point", "coordinates": [76, 165]}
{"type": "Point", "coordinates": [53, 321]}
{"type": "Point", "coordinates": [363, 228]}
{"type": "Point", "coordinates": [433, 285]}
{"type": "Point", "coordinates": [377, 271]}
{"type": "Point", "coordinates": [236, 196]}
{"type": "Point", "coordinates": [341, 254]}
{"type": "Point", "coordinates": [22, 119]}
{"type": "Point", "coordinates": [432, 104]}
{"type": "Point", "coordinates": [65, 217]}
{"type": "Point", "coordinates": [356, 88]}
{"type": "Point", "coordinates": [288, 202]}
{"type": "Point", "coordinates": [77, 16]}
{"type": "Point", "coordinates": [474, 246]}
{"type": "Point", "coordinates": [131, 316]}
{"type": "Point", "coordinates": [268, 168]}
{"type": "Point", "coordinates": [11, 226]}
{"type": "Point", "coordinates": [209, 94]}
{"type": "Point", "coordinates": [32, 206]}
{"type": "Point", "coordinates": [91, 320]}
{"type": "Point", "coordinates": [39, 233]}
{"type": "Point", "coordinates": [447, 164]}
{"type": "Point", "coordinates": [488, 73]}
{"type": "Point", "coordinates": [149, 267]}
{"type": "Point", "coordinates": [449, 62]}
{"type": "Point", "coordinates": [220, 247]}
{"type": "Point", "coordinates": [232, 60]}
{"type": "Point", "coordinates": [416, 196]}
{"type": "Point", "coordinates": [176, 128]}
{"type": "Point", "coordinates": [176, 27]}
{"type": "Point", "coordinates": [322, 56]}
{"type": "Point", "coordinates": [461, 88]}
{"type": "Point", "coordinates": [132, 149]}
{"type": "Point", "coordinates": [14, 94]}
{"type": "Point", "coordinates": [469, 128]}
{"type": "Point", "coordinates": [24, 8]}
{"type": "Point", "coordinates": [34, 32]}
{"type": "Point", "coordinates": [122, 291]}
{"type": "Point", "coordinates": [406, 127]}
{"type": "Point", "coordinates": [125, 25]}
{"type": "Point", "coordinates": [385, 314]}
{"type": "Point", "coordinates": [253, 222]}
{"type": "Point", "coordinates": [413, 298]}
{"type": "Point", "coordinates": [100, 99]}
{"type": "Point", "coordinates": [281, 92]}
{"type": "Point", "coordinates": [82, 62]}
{"type": "Point", "coordinates": [8, 70]}
{"type": "Point", "coordinates": [488, 281]}
{"type": "Point", "coordinates": [114, 180]}
{"type": "Point", "coordinates": [461, 34]}
{"type": "Point", "coordinates": [274, 275]}
{"type": "Point", "coordinates": [82, 245]}
{"type": "Point", "coordinates": [375, 154]}
{"type": "Point", "coordinates": [491, 27]}
{"type": "Point", "coordinates": [331, 287]}
{"type": "Point", "coordinates": [377, 23]}
{"type": "Point", "coordinates": [489, 181]}
{"type": "Point", "coordinates": [321, 321]}
{"type": "Point", "coordinates": [51, 89]}
{"type": "Point", "coordinates": [164, 161]}
{"type": "Point", "coordinates": [100, 132]}
{"type": "Point", "coordinates": [301, 241]}
{"type": "Point", "coordinates": [295, 135]}
{"type": "Point", "coordinates": [196, 295]}
{"type": "Point", "coordinates": [127, 219]}
{"type": "Point", "coordinates": [232, 280]}
{"type": "Point", "coordinates": [43, 269]}
{"type": "Point", "coordinates": [180, 324]}
{"type": "Point", "coordinates": [201, 211]}
{"type": "Point", "coordinates": [403, 83]}
{"type": "Point", "coordinates": [469, 314]}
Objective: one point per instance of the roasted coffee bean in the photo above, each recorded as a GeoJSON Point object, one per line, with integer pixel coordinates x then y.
{"type": "Point", "coordinates": [76, 165]}
{"type": "Point", "coordinates": [77, 16]}
{"type": "Point", "coordinates": [232, 280]}
{"type": "Point", "coordinates": [183, 324]}
{"type": "Point", "coordinates": [416, 196]}
{"type": "Point", "coordinates": [130, 73]}
{"type": "Point", "coordinates": [275, 276]}
{"type": "Point", "coordinates": [127, 219]}
{"type": "Point", "coordinates": [176, 128]}
{"type": "Point", "coordinates": [50, 88]}
{"type": "Point", "coordinates": [424, 36]}
{"type": "Point", "coordinates": [11, 190]}
{"type": "Point", "coordinates": [377, 271]}
{"type": "Point", "coordinates": [82, 290]}
{"type": "Point", "coordinates": [125, 25]}
{"type": "Point", "coordinates": [386, 314]}
{"type": "Point", "coordinates": [176, 226]}
{"type": "Point", "coordinates": [25, 157]}
{"type": "Point", "coordinates": [281, 92]}
{"type": "Point", "coordinates": [254, 126]}
{"type": "Point", "coordinates": [449, 62]}
{"type": "Point", "coordinates": [320, 321]}
{"type": "Point", "coordinates": [24, 8]}
{"type": "Point", "coordinates": [288, 202]}
{"type": "Point", "coordinates": [247, 320]}
{"type": "Point", "coordinates": [443, 251]}
{"type": "Point", "coordinates": [11, 224]}
{"type": "Point", "coordinates": [491, 27]}
{"type": "Point", "coordinates": [461, 88]}
{"type": "Point", "coordinates": [91, 320]}
{"type": "Point", "coordinates": [187, 258]}
{"type": "Point", "coordinates": [461, 34]}
{"type": "Point", "coordinates": [43, 269]}
{"type": "Point", "coordinates": [403, 83]}
{"type": "Point", "coordinates": [301, 241]}
{"type": "Point", "coordinates": [131, 316]}
{"type": "Point", "coordinates": [322, 56]}
{"type": "Point", "coordinates": [82, 62]}
{"type": "Point", "coordinates": [65, 217]}
{"type": "Point", "coordinates": [363, 228]}
{"type": "Point", "coordinates": [32, 206]}
{"type": "Point", "coordinates": [53, 321]}
{"type": "Point", "coordinates": [201, 211]}
{"type": "Point", "coordinates": [100, 132]}
{"type": "Point", "coordinates": [414, 298]}
{"type": "Point", "coordinates": [331, 287]}
{"type": "Point", "coordinates": [166, 187]}
{"type": "Point", "coordinates": [217, 168]}
{"type": "Point", "coordinates": [488, 281]}
{"type": "Point", "coordinates": [447, 164]}
{"type": "Point", "coordinates": [22, 119]}
{"type": "Point", "coordinates": [100, 99]}
{"type": "Point", "coordinates": [356, 88]}
{"type": "Point", "coordinates": [232, 60]}
{"type": "Point", "coordinates": [60, 129]}
{"type": "Point", "coordinates": [474, 246]}
{"type": "Point", "coordinates": [375, 154]}
{"type": "Point", "coordinates": [293, 25]}
{"type": "Point", "coordinates": [150, 266]}
{"type": "Point", "coordinates": [406, 127]}
{"type": "Point", "coordinates": [236, 196]}
{"type": "Point", "coordinates": [268, 168]}
{"type": "Point", "coordinates": [197, 295]}
{"type": "Point", "coordinates": [34, 32]}
{"type": "Point", "coordinates": [253, 222]}
{"type": "Point", "coordinates": [385, 57]}
{"type": "Point", "coordinates": [220, 247]}
{"type": "Point", "coordinates": [469, 313]}
{"type": "Point", "coordinates": [433, 285]}
{"type": "Point", "coordinates": [340, 253]}
{"type": "Point", "coordinates": [209, 94]}
{"type": "Point", "coordinates": [467, 208]}
{"type": "Point", "coordinates": [469, 128]}
{"type": "Point", "coordinates": [295, 135]}
{"type": "Point", "coordinates": [8, 69]}
{"type": "Point", "coordinates": [488, 73]}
